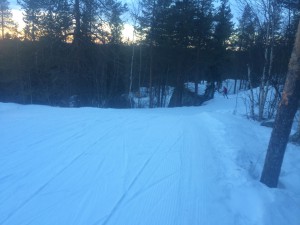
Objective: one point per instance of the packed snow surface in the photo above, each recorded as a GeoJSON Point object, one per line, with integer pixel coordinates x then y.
{"type": "Point", "coordinates": [193, 165]}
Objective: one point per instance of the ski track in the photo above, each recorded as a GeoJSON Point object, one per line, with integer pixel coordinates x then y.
{"type": "Point", "coordinates": [109, 168]}
{"type": "Point", "coordinates": [169, 166]}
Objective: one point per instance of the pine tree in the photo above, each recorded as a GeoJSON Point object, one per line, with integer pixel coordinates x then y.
{"type": "Point", "coordinates": [146, 18]}
{"type": "Point", "coordinates": [32, 18]}
{"type": "Point", "coordinates": [184, 14]}
{"type": "Point", "coordinates": [6, 21]}
{"type": "Point", "coordinates": [246, 40]}
{"type": "Point", "coordinates": [153, 28]}
{"type": "Point", "coordinates": [284, 119]}
{"type": "Point", "coordinates": [113, 14]}
{"type": "Point", "coordinates": [84, 17]}
{"type": "Point", "coordinates": [56, 19]}
{"type": "Point", "coordinates": [224, 25]}
{"type": "Point", "coordinates": [222, 31]}
{"type": "Point", "coordinates": [203, 23]}
{"type": "Point", "coordinates": [202, 36]}
{"type": "Point", "coordinates": [248, 27]}
{"type": "Point", "coordinates": [77, 26]}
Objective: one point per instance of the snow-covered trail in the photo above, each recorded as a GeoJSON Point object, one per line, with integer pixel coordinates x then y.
{"type": "Point", "coordinates": [89, 166]}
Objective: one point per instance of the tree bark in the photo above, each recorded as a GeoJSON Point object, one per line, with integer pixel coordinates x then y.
{"type": "Point", "coordinates": [284, 119]}
{"type": "Point", "coordinates": [252, 114]}
{"type": "Point", "coordinates": [151, 100]}
{"type": "Point", "coordinates": [2, 23]}
{"type": "Point", "coordinates": [77, 30]}
{"type": "Point", "coordinates": [131, 72]}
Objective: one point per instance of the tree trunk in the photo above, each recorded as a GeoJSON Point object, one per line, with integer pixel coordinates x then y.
{"type": "Point", "coordinates": [131, 73]}
{"type": "Point", "coordinates": [197, 73]}
{"type": "Point", "coordinates": [252, 114]}
{"type": "Point", "coordinates": [298, 129]}
{"type": "Point", "coordinates": [2, 23]}
{"type": "Point", "coordinates": [234, 89]}
{"type": "Point", "coordinates": [77, 16]}
{"type": "Point", "coordinates": [196, 85]}
{"type": "Point", "coordinates": [140, 76]}
{"type": "Point", "coordinates": [262, 89]}
{"type": "Point", "coordinates": [151, 100]}
{"type": "Point", "coordinates": [284, 119]}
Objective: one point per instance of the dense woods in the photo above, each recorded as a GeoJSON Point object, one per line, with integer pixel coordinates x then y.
{"type": "Point", "coordinates": [72, 52]}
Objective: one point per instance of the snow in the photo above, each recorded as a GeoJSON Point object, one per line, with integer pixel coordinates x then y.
{"type": "Point", "coordinates": [141, 99]}
{"type": "Point", "coordinates": [192, 165]}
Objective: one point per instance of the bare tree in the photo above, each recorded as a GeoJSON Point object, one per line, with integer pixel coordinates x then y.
{"type": "Point", "coordinates": [267, 16]}
{"type": "Point", "coordinates": [251, 94]}
{"type": "Point", "coordinates": [284, 119]}
{"type": "Point", "coordinates": [135, 14]}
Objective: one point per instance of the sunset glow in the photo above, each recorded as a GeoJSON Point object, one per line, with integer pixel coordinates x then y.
{"type": "Point", "coordinates": [18, 18]}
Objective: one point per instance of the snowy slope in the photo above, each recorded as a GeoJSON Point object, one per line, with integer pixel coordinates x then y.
{"type": "Point", "coordinates": [197, 165]}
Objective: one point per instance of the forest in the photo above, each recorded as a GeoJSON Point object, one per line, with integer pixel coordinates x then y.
{"type": "Point", "coordinates": [73, 51]}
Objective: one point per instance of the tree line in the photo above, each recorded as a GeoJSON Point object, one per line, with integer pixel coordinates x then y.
{"type": "Point", "coordinates": [74, 49]}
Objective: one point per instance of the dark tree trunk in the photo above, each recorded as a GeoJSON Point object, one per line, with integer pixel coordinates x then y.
{"type": "Point", "coordinates": [2, 23]}
{"type": "Point", "coordinates": [235, 83]}
{"type": "Point", "coordinates": [151, 100]}
{"type": "Point", "coordinates": [284, 119]}
{"type": "Point", "coordinates": [77, 30]}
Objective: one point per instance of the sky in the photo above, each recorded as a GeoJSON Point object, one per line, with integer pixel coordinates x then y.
{"type": "Point", "coordinates": [18, 17]}
{"type": "Point", "coordinates": [128, 29]}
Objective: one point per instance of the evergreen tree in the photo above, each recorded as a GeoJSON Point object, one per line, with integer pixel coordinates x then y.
{"type": "Point", "coordinates": [183, 14]}
{"type": "Point", "coordinates": [203, 23]}
{"type": "Point", "coordinates": [202, 36]}
{"type": "Point", "coordinates": [56, 19]}
{"type": "Point", "coordinates": [6, 22]}
{"type": "Point", "coordinates": [293, 15]}
{"type": "Point", "coordinates": [153, 28]}
{"type": "Point", "coordinates": [154, 22]}
{"type": "Point", "coordinates": [77, 37]}
{"type": "Point", "coordinates": [146, 19]}
{"type": "Point", "coordinates": [248, 27]}
{"type": "Point", "coordinates": [32, 18]}
{"type": "Point", "coordinates": [222, 31]}
{"type": "Point", "coordinates": [85, 21]}
{"type": "Point", "coordinates": [224, 25]}
{"type": "Point", "coordinates": [161, 30]}
{"type": "Point", "coordinates": [93, 17]}
{"type": "Point", "coordinates": [113, 14]}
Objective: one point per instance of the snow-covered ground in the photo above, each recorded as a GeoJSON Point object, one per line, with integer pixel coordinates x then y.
{"type": "Point", "coordinates": [193, 165]}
